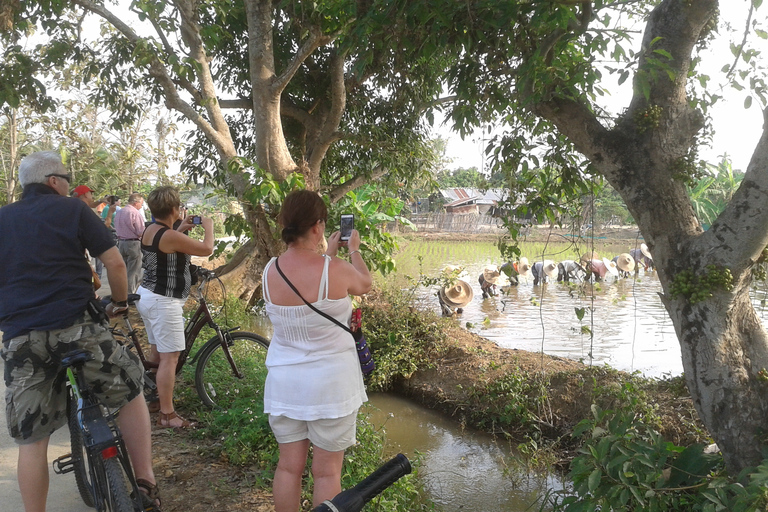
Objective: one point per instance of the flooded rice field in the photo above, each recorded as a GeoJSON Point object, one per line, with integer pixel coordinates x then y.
{"type": "Point", "coordinates": [630, 328]}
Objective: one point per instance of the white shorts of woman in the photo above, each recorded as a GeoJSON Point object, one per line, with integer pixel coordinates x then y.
{"type": "Point", "coordinates": [332, 435]}
{"type": "Point", "coordinates": [164, 319]}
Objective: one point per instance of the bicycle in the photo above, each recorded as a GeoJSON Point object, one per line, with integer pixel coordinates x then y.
{"type": "Point", "coordinates": [354, 499]}
{"type": "Point", "coordinates": [99, 457]}
{"type": "Point", "coordinates": [230, 356]}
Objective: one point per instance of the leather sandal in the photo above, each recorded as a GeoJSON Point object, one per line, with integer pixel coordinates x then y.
{"type": "Point", "coordinates": [150, 495]}
{"type": "Point", "coordinates": [164, 420]}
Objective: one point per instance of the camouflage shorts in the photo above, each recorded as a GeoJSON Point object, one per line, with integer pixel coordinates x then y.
{"type": "Point", "coordinates": [36, 393]}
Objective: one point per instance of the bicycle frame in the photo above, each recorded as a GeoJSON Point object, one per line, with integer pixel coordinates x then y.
{"type": "Point", "coordinates": [199, 319]}
{"type": "Point", "coordinates": [101, 436]}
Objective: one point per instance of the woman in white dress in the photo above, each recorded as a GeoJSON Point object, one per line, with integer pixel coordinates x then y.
{"type": "Point", "coordinates": [314, 387]}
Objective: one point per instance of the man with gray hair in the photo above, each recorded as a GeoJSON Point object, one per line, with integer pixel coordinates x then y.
{"type": "Point", "coordinates": [45, 291]}
{"type": "Point", "coordinates": [129, 226]}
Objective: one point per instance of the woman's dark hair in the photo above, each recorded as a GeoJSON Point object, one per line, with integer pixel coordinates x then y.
{"type": "Point", "coordinates": [301, 210]}
{"type": "Point", "coordinates": [163, 200]}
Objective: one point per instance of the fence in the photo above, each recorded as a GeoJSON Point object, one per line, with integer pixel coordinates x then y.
{"type": "Point", "coordinates": [457, 222]}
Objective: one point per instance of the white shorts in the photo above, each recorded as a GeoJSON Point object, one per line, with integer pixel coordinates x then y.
{"type": "Point", "coordinates": [164, 319]}
{"type": "Point", "coordinates": [332, 435]}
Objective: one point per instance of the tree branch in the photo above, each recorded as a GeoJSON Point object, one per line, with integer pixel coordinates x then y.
{"type": "Point", "coordinates": [341, 190]}
{"type": "Point", "coordinates": [313, 42]}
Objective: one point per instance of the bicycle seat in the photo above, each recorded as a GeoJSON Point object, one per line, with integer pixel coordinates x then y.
{"type": "Point", "coordinates": [76, 357]}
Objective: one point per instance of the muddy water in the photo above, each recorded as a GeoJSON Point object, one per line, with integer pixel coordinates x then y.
{"type": "Point", "coordinates": [630, 326]}
{"type": "Point", "coordinates": [461, 471]}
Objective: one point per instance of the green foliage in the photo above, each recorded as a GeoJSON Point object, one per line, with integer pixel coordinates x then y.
{"type": "Point", "coordinates": [697, 287]}
{"type": "Point", "coordinates": [626, 465]}
{"type": "Point", "coordinates": [402, 338]}
{"type": "Point", "coordinates": [374, 209]}
{"type": "Point", "coordinates": [462, 178]}
{"type": "Point", "coordinates": [710, 194]}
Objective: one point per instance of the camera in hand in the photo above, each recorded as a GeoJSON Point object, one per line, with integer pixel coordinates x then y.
{"type": "Point", "coordinates": [353, 500]}
{"type": "Point", "coordinates": [197, 220]}
{"type": "Point", "coordinates": [347, 225]}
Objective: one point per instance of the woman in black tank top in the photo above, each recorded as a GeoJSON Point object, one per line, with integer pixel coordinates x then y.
{"type": "Point", "coordinates": [165, 288]}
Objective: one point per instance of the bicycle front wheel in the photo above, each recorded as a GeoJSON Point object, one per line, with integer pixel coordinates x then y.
{"type": "Point", "coordinates": [216, 381]}
{"type": "Point", "coordinates": [80, 457]}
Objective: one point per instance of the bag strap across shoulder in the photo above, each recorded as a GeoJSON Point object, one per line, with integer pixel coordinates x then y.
{"type": "Point", "coordinates": [313, 308]}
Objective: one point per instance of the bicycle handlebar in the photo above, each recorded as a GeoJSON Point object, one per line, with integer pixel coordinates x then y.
{"type": "Point", "coordinates": [353, 500]}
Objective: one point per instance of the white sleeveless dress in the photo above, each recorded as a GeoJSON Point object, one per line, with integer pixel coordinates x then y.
{"type": "Point", "coordinates": [314, 371]}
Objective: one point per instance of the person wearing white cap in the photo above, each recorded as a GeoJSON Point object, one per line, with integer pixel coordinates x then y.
{"type": "Point", "coordinates": [544, 272]}
{"type": "Point", "coordinates": [488, 280]}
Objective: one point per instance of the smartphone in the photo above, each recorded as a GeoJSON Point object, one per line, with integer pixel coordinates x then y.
{"type": "Point", "coordinates": [197, 220]}
{"type": "Point", "coordinates": [347, 225]}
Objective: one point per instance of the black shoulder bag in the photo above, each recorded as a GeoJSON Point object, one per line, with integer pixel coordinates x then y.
{"type": "Point", "coordinates": [363, 352]}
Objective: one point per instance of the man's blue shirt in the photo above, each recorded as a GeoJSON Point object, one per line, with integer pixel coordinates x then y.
{"type": "Point", "coordinates": [45, 280]}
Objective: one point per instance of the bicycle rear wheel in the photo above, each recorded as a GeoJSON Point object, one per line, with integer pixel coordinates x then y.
{"type": "Point", "coordinates": [117, 497]}
{"type": "Point", "coordinates": [80, 458]}
{"type": "Point", "coordinates": [215, 380]}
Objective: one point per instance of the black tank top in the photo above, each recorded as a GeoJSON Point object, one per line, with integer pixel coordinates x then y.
{"type": "Point", "coordinates": [165, 274]}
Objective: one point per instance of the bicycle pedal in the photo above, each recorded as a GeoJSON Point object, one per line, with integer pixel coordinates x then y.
{"type": "Point", "coordinates": [64, 464]}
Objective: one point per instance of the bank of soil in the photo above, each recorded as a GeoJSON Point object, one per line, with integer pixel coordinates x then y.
{"type": "Point", "coordinates": [193, 480]}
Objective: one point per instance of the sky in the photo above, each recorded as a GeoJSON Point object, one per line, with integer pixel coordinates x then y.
{"type": "Point", "coordinates": [737, 130]}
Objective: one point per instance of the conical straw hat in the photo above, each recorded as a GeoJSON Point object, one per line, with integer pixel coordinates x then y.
{"type": "Point", "coordinates": [611, 266]}
{"type": "Point", "coordinates": [550, 269]}
{"type": "Point", "coordinates": [625, 262]}
{"type": "Point", "coordinates": [523, 267]}
{"type": "Point", "coordinates": [458, 295]}
{"type": "Point", "coordinates": [645, 251]}
{"type": "Point", "coordinates": [491, 274]}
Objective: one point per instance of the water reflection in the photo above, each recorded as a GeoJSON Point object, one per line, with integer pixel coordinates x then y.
{"type": "Point", "coordinates": [462, 470]}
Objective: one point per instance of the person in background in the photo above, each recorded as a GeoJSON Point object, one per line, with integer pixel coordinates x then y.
{"type": "Point", "coordinates": [487, 281]}
{"type": "Point", "coordinates": [85, 194]}
{"type": "Point", "coordinates": [599, 268]}
{"type": "Point", "coordinates": [45, 290]}
{"type": "Point", "coordinates": [164, 290]}
{"type": "Point", "coordinates": [516, 269]}
{"type": "Point", "coordinates": [129, 226]}
{"type": "Point", "coordinates": [314, 384]}
{"type": "Point", "coordinates": [643, 257]}
{"type": "Point", "coordinates": [109, 212]}
{"type": "Point", "coordinates": [569, 269]}
{"type": "Point", "coordinates": [544, 272]}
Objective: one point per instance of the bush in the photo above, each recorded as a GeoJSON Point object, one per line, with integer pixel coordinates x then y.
{"type": "Point", "coordinates": [625, 465]}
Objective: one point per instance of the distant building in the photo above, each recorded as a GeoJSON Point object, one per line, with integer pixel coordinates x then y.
{"type": "Point", "coordinates": [470, 200]}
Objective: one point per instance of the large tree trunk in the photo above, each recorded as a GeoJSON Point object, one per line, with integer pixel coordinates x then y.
{"type": "Point", "coordinates": [724, 345]}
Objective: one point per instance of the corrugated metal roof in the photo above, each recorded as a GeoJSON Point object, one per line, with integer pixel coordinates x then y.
{"type": "Point", "coordinates": [491, 196]}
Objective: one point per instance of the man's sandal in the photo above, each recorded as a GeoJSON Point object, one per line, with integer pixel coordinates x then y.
{"type": "Point", "coordinates": [164, 420]}
{"type": "Point", "coordinates": [150, 495]}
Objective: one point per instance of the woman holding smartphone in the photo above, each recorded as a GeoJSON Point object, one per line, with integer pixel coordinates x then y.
{"type": "Point", "coordinates": [314, 387]}
{"type": "Point", "coordinates": [165, 288]}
